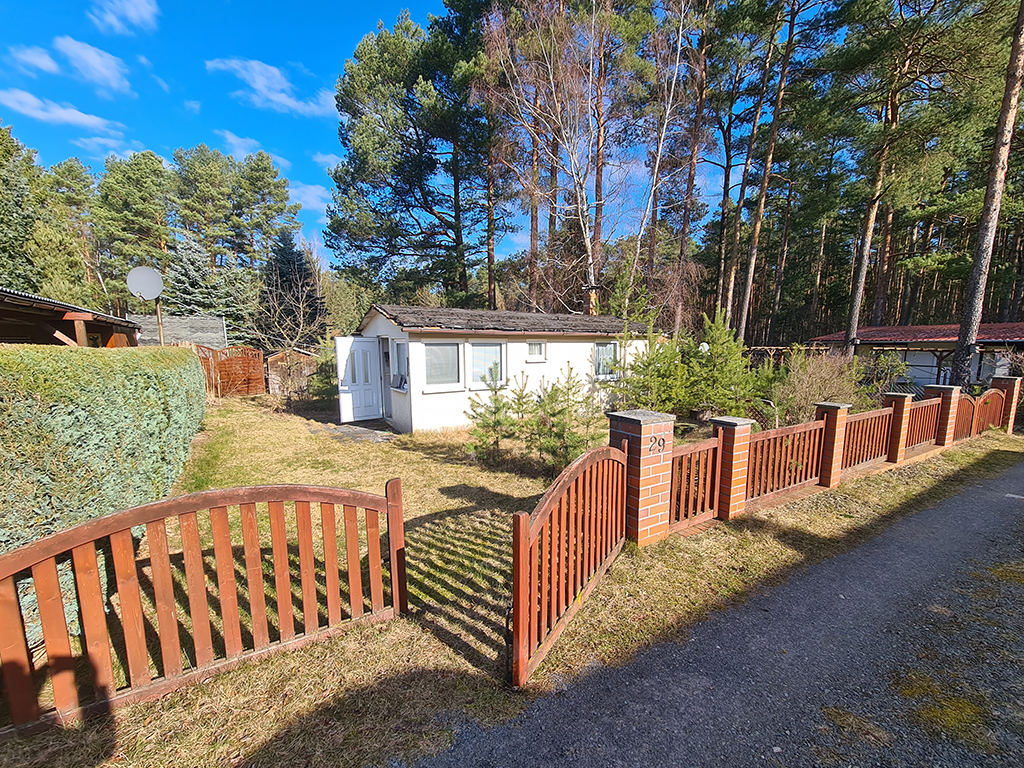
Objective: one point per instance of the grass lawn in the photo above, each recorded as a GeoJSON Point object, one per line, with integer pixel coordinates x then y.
{"type": "Point", "coordinates": [402, 688]}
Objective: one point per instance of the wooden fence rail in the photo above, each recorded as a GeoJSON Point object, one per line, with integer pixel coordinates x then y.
{"type": "Point", "coordinates": [965, 409]}
{"type": "Point", "coordinates": [781, 459]}
{"type": "Point", "coordinates": [216, 581]}
{"type": "Point", "coordinates": [560, 552]}
{"type": "Point", "coordinates": [924, 422]}
{"type": "Point", "coordinates": [867, 437]}
{"type": "Point", "coordinates": [694, 497]}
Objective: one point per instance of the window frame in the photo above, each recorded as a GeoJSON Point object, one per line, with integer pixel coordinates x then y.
{"type": "Point", "coordinates": [542, 357]}
{"type": "Point", "coordinates": [613, 375]}
{"type": "Point", "coordinates": [455, 386]}
{"type": "Point", "coordinates": [502, 361]}
{"type": "Point", "coordinates": [400, 353]}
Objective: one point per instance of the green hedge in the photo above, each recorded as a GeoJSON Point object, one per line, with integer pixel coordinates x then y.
{"type": "Point", "coordinates": [86, 432]}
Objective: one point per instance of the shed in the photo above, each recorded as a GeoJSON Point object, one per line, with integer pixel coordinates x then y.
{"type": "Point", "coordinates": [928, 349]}
{"type": "Point", "coordinates": [29, 319]}
{"type": "Point", "coordinates": [288, 371]}
{"type": "Point", "coordinates": [205, 330]}
{"type": "Point", "coordinates": [418, 367]}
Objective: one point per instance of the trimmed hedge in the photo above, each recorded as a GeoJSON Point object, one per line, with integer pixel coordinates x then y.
{"type": "Point", "coordinates": [86, 432]}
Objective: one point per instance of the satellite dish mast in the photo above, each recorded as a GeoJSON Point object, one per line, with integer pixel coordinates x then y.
{"type": "Point", "coordinates": [146, 283]}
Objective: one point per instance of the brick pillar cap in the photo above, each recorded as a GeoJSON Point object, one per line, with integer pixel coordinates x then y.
{"type": "Point", "coordinates": [642, 417]}
{"type": "Point", "coordinates": [833, 406]}
{"type": "Point", "coordinates": [942, 387]}
{"type": "Point", "coordinates": [731, 421]}
{"type": "Point", "coordinates": [904, 395]}
{"type": "Point", "coordinates": [1006, 378]}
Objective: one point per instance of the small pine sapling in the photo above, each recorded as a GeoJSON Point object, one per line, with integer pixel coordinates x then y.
{"type": "Point", "coordinates": [492, 420]}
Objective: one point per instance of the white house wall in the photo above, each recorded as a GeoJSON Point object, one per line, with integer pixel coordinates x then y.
{"type": "Point", "coordinates": [438, 409]}
{"type": "Point", "coordinates": [401, 402]}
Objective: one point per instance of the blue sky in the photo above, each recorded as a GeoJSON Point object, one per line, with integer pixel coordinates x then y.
{"type": "Point", "coordinates": [96, 77]}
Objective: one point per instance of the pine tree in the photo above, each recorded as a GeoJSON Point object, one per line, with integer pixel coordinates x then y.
{"type": "Point", "coordinates": [260, 209]}
{"type": "Point", "coordinates": [193, 287]}
{"type": "Point", "coordinates": [204, 179]}
{"type": "Point", "coordinates": [17, 218]}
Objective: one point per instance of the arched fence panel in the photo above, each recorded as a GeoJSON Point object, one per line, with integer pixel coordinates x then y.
{"type": "Point", "coordinates": [147, 600]}
{"type": "Point", "coordinates": [989, 411]}
{"type": "Point", "coordinates": [560, 552]}
{"type": "Point", "coordinates": [965, 409]}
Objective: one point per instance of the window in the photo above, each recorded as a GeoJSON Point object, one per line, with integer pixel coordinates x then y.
{"type": "Point", "coordinates": [486, 362]}
{"type": "Point", "coordinates": [536, 352]}
{"type": "Point", "coordinates": [400, 366]}
{"type": "Point", "coordinates": [442, 364]}
{"type": "Point", "coordinates": [605, 357]}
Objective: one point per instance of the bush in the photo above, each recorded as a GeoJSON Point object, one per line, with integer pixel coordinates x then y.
{"type": "Point", "coordinates": [86, 432]}
{"type": "Point", "coordinates": [817, 378]}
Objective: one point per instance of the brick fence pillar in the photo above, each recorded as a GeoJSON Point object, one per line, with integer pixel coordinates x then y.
{"type": "Point", "coordinates": [733, 460]}
{"type": "Point", "coordinates": [1010, 386]}
{"type": "Point", "coordinates": [947, 411]}
{"type": "Point", "coordinates": [835, 415]}
{"type": "Point", "coordinates": [648, 471]}
{"type": "Point", "coordinates": [900, 403]}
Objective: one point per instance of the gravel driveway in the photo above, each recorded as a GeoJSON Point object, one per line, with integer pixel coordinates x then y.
{"type": "Point", "coordinates": [906, 651]}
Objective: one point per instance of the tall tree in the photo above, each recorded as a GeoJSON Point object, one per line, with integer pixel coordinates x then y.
{"type": "Point", "coordinates": [17, 217]}
{"type": "Point", "coordinates": [990, 211]}
{"type": "Point", "coordinates": [204, 179]}
{"type": "Point", "coordinates": [260, 208]}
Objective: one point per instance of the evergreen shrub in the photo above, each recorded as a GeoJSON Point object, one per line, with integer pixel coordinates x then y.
{"type": "Point", "coordinates": [86, 432]}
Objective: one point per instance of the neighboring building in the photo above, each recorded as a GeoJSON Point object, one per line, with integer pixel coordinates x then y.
{"type": "Point", "coordinates": [29, 319]}
{"type": "Point", "coordinates": [206, 330]}
{"type": "Point", "coordinates": [928, 349]}
{"type": "Point", "coordinates": [418, 367]}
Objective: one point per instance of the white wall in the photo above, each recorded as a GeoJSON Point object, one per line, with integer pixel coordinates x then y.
{"type": "Point", "coordinates": [438, 407]}
{"type": "Point", "coordinates": [401, 402]}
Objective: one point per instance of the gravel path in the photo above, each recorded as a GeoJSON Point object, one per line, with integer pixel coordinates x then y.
{"type": "Point", "coordinates": [905, 651]}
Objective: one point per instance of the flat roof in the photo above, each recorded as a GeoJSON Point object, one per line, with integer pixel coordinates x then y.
{"type": "Point", "coordinates": [29, 300]}
{"type": "Point", "coordinates": [447, 320]}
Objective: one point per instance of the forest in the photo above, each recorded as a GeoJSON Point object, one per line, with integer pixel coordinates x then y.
{"type": "Point", "coordinates": [784, 164]}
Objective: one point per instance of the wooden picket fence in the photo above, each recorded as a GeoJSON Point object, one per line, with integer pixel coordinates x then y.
{"type": "Point", "coordinates": [139, 640]}
{"type": "Point", "coordinates": [989, 411]}
{"type": "Point", "coordinates": [233, 371]}
{"type": "Point", "coordinates": [867, 437]}
{"type": "Point", "coordinates": [561, 550]}
{"type": "Point", "coordinates": [694, 496]}
{"type": "Point", "coordinates": [785, 458]}
{"type": "Point", "coordinates": [924, 422]}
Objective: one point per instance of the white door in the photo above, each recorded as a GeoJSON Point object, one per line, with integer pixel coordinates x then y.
{"type": "Point", "coordinates": [359, 384]}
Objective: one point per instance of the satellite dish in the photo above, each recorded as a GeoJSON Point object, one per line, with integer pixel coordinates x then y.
{"type": "Point", "coordinates": [145, 282]}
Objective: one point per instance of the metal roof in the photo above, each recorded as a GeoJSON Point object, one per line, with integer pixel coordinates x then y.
{"type": "Point", "coordinates": [988, 333]}
{"type": "Point", "coordinates": [20, 298]}
{"type": "Point", "coordinates": [424, 319]}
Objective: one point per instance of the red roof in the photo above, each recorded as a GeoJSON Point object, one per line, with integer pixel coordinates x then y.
{"type": "Point", "coordinates": [991, 333]}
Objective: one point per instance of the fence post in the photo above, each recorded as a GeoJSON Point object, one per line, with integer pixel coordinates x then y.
{"type": "Point", "coordinates": [396, 539]}
{"type": "Point", "coordinates": [947, 411]}
{"type": "Point", "coordinates": [833, 441]}
{"type": "Point", "coordinates": [733, 459]}
{"type": "Point", "coordinates": [520, 598]}
{"type": "Point", "coordinates": [648, 471]}
{"type": "Point", "coordinates": [900, 404]}
{"type": "Point", "coordinates": [1010, 386]}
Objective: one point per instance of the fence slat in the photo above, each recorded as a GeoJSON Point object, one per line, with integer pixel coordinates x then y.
{"type": "Point", "coordinates": [307, 567]}
{"type": "Point", "coordinates": [94, 618]}
{"type": "Point", "coordinates": [355, 574]}
{"type": "Point", "coordinates": [254, 576]}
{"type": "Point", "coordinates": [396, 541]}
{"type": "Point", "coordinates": [373, 555]}
{"type": "Point", "coordinates": [55, 635]}
{"type": "Point", "coordinates": [195, 576]}
{"type": "Point", "coordinates": [282, 570]}
{"type": "Point", "coordinates": [225, 566]}
{"type": "Point", "coordinates": [329, 527]}
{"type": "Point", "coordinates": [163, 596]}
{"type": "Point", "coordinates": [132, 619]}
{"type": "Point", "coordinates": [17, 665]}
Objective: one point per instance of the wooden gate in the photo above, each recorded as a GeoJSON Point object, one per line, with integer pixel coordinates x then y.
{"type": "Point", "coordinates": [560, 552]}
{"type": "Point", "coordinates": [694, 496]}
{"type": "Point", "coordinates": [166, 611]}
{"type": "Point", "coordinates": [989, 411]}
{"type": "Point", "coordinates": [965, 409]}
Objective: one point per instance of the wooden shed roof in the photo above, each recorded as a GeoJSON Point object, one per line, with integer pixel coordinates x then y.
{"type": "Point", "coordinates": [988, 333]}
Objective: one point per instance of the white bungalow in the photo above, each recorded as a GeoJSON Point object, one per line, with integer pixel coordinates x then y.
{"type": "Point", "coordinates": [418, 367]}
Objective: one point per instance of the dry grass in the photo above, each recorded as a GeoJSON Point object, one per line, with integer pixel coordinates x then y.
{"type": "Point", "coordinates": [401, 688]}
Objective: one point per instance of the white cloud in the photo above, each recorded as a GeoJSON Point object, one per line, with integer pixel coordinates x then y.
{"type": "Point", "coordinates": [193, 106]}
{"type": "Point", "coordinates": [327, 160]}
{"type": "Point", "coordinates": [47, 111]}
{"type": "Point", "coordinates": [238, 146]}
{"type": "Point", "coordinates": [144, 61]}
{"type": "Point", "coordinates": [271, 88]}
{"type": "Point", "coordinates": [311, 196]}
{"type": "Point", "coordinates": [95, 66]}
{"type": "Point", "coordinates": [29, 57]}
{"type": "Point", "coordinates": [119, 15]}
{"type": "Point", "coordinates": [283, 163]}
{"type": "Point", "coordinates": [162, 83]}
{"type": "Point", "coordinates": [100, 146]}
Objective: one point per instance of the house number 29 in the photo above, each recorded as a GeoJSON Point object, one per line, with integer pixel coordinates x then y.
{"type": "Point", "coordinates": [657, 445]}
